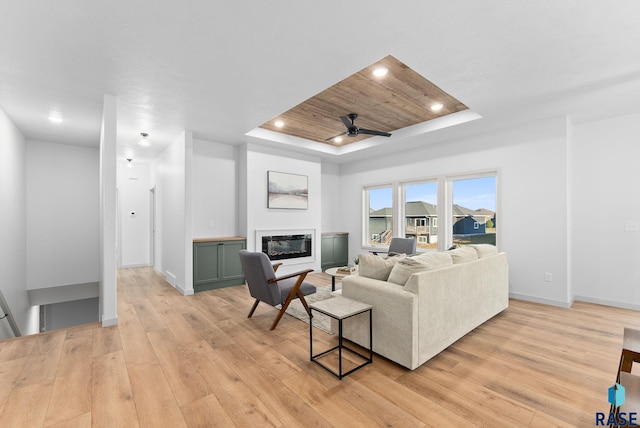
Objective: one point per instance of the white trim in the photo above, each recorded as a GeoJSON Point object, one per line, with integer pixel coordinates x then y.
{"type": "Point", "coordinates": [135, 265]}
{"type": "Point", "coordinates": [183, 291]}
{"type": "Point", "coordinates": [612, 303]}
{"type": "Point", "coordinates": [542, 300]}
{"type": "Point", "coordinates": [410, 131]}
{"type": "Point", "coordinates": [109, 322]}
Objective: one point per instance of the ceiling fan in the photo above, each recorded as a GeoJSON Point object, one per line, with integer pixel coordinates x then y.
{"type": "Point", "coordinates": [353, 130]}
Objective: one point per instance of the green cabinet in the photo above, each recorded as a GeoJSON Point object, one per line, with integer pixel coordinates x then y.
{"type": "Point", "coordinates": [334, 250]}
{"type": "Point", "coordinates": [216, 263]}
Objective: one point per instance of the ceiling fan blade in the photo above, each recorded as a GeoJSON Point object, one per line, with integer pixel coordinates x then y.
{"type": "Point", "coordinates": [347, 122]}
{"type": "Point", "coordinates": [371, 132]}
{"type": "Point", "coordinates": [335, 136]}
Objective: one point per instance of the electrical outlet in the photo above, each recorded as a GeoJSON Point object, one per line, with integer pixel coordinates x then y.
{"type": "Point", "coordinates": [210, 224]}
{"type": "Point", "coordinates": [548, 277]}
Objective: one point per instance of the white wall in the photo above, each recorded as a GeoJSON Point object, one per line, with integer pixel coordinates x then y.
{"type": "Point", "coordinates": [72, 313]}
{"type": "Point", "coordinates": [63, 214]}
{"type": "Point", "coordinates": [257, 162]}
{"type": "Point", "coordinates": [331, 212]}
{"type": "Point", "coordinates": [605, 204]}
{"type": "Point", "coordinates": [13, 229]}
{"type": "Point", "coordinates": [134, 196]}
{"type": "Point", "coordinates": [168, 175]}
{"type": "Point", "coordinates": [215, 189]}
{"type": "Point", "coordinates": [532, 199]}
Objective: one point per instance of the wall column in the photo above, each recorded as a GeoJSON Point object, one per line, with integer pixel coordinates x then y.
{"type": "Point", "coordinates": [108, 213]}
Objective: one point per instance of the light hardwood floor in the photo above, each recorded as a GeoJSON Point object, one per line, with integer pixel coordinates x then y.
{"type": "Point", "coordinates": [197, 361]}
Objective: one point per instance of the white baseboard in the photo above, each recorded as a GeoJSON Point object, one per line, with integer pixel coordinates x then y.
{"type": "Point", "coordinates": [615, 304]}
{"type": "Point", "coordinates": [109, 322]}
{"type": "Point", "coordinates": [183, 291]}
{"type": "Point", "coordinates": [604, 302]}
{"type": "Point", "coordinates": [134, 266]}
{"type": "Point", "coordinates": [540, 300]}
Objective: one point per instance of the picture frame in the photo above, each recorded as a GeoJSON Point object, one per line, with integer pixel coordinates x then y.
{"type": "Point", "coordinates": [287, 191]}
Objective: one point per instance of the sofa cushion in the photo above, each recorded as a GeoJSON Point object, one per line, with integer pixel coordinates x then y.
{"type": "Point", "coordinates": [435, 259]}
{"type": "Point", "coordinates": [463, 255]}
{"type": "Point", "coordinates": [375, 267]}
{"type": "Point", "coordinates": [485, 250]}
{"type": "Point", "coordinates": [406, 267]}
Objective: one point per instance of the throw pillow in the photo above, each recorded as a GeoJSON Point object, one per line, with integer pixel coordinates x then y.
{"type": "Point", "coordinates": [408, 266]}
{"type": "Point", "coordinates": [463, 255]}
{"type": "Point", "coordinates": [435, 259]}
{"type": "Point", "coordinates": [485, 250]}
{"type": "Point", "coordinates": [375, 267]}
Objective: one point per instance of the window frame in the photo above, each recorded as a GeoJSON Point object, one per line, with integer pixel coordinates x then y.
{"type": "Point", "coordinates": [365, 213]}
{"type": "Point", "coordinates": [448, 188]}
{"type": "Point", "coordinates": [402, 200]}
{"type": "Point", "coordinates": [444, 219]}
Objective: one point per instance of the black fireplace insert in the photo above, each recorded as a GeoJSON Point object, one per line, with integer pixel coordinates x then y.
{"type": "Point", "coordinates": [280, 247]}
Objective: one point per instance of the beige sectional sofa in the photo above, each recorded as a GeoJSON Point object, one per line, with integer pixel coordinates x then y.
{"type": "Point", "coordinates": [444, 296]}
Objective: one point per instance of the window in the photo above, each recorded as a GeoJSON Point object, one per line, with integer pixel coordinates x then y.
{"type": "Point", "coordinates": [474, 210]}
{"type": "Point", "coordinates": [379, 214]}
{"type": "Point", "coordinates": [465, 205]}
{"type": "Point", "coordinates": [420, 210]}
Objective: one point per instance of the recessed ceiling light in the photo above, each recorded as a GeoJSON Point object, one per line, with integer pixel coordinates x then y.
{"type": "Point", "coordinates": [380, 71]}
{"type": "Point", "coordinates": [278, 123]}
{"type": "Point", "coordinates": [338, 139]}
{"type": "Point", "coordinates": [144, 142]}
{"type": "Point", "coordinates": [55, 118]}
{"type": "Point", "coordinates": [436, 107]}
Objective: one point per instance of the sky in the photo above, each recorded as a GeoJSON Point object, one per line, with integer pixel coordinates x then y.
{"type": "Point", "coordinates": [471, 193]}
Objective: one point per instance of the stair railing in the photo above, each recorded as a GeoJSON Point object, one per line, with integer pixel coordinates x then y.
{"type": "Point", "coordinates": [5, 312]}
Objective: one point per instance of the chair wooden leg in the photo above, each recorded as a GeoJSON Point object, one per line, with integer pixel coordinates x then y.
{"type": "Point", "coordinates": [253, 308]}
{"type": "Point", "coordinates": [304, 302]}
{"type": "Point", "coordinates": [278, 317]}
{"type": "Point", "coordinates": [294, 291]}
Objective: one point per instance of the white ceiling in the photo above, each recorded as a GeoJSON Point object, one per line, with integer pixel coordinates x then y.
{"type": "Point", "coordinates": [220, 69]}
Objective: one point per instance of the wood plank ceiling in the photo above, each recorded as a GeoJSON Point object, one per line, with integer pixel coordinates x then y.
{"type": "Point", "coordinates": [397, 100]}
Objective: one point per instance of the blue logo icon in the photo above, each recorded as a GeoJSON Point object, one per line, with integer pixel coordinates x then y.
{"type": "Point", "coordinates": [616, 395]}
{"type": "Point", "coordinates": [616, 418]}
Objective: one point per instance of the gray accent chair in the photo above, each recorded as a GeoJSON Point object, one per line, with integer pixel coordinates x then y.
{"type": "Point", "coordinates": [400, 246]}
{"type": "Point", "coordinates": [264, 286]}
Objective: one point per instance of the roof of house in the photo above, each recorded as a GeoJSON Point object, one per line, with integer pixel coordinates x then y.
{"type": "Point", "coordinates": [425, 209]}
{"type": "Point", "coordinates": [420, 209]}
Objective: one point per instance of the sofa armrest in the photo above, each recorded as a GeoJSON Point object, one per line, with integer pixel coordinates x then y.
{"type": "Point", "coordinates": [395, 318]}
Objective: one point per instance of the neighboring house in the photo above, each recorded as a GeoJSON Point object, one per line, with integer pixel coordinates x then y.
{"type": "Point", "coordinates": [421, 222]}
{"type": "Point", "coordinates": [470, 222]}
{"type": "Point", "coordinates": [381, 225]}
{"type": "Point", "coordinates": [468, 226]}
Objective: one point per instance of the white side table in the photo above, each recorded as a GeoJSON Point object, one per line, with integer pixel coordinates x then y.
{"type": "Point", "coordinates": [336, 274]}
{"type": "Point", "coordinates": [340, 308]}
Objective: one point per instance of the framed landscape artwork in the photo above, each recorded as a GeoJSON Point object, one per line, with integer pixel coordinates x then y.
{"type": "Point", "coordinates": [288, 191]}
